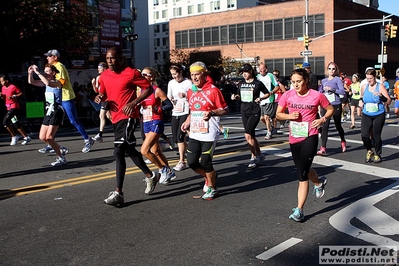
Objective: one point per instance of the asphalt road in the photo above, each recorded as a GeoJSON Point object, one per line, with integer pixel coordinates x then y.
{"type": "Point", "coordinates": [56, 216]}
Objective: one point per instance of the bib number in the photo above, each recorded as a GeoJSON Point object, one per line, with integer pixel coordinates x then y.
{"type": "Point", "coordinates": [246, 96]}
{"type": "Point", "coordinates": [299, 129]}
{"type": "Point", "coordinates": [330, 97]}
{"type": "Point", "coordinates": [197, 123]}
{"type": "Point", "coordinates": [371, 107]}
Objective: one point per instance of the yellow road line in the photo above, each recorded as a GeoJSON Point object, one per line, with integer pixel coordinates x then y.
{"type": "Point", "coordinates": [89, 178]}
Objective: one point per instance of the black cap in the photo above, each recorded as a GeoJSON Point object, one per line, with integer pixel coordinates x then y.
{"type": "Point", "coordinates": [246, 68]}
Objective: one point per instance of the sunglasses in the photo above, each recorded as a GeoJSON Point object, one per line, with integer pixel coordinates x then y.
{"type": "Point", "coordinates": [331, 68]}
{"type": "Point", "coordinates": [146, 75]}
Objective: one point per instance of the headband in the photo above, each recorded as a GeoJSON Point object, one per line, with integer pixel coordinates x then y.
{"type": "Point", "coordinates": [354, 75]}
{"type": "Point", "coordinates": [197, 68]}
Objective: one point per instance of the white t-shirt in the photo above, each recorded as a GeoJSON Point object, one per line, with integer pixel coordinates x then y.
{"type": "Point", "coordinates": [269, 82]}
{"type": "Point", "coordinates": [180, 105]}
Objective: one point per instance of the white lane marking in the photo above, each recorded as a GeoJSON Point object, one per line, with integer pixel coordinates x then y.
{"type": "Point", "coordinates": [379, 221]}
{"type": "Point", "coordinates": [279, 248]}
{"type": "Point", "coordinates": [341, 219]}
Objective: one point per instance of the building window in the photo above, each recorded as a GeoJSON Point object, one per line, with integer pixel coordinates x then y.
{"type": "Point", "coordinates": [230, 3]}
{"type": "Point", "coordinates": [165, 27]}
{"type": "Point", "coordinates": [288, 64]}
{"type": "Point", "coordinates": [215, 5]}
{"type": "Point", "coordinates": [165, 41]}
{"type": "Point", "coordinates": [268, 30]}
{"type": "Point", "coordinates": [200, 8]}
{"type": "Point", "coordinates": [156, 28]}
{"type": "Point", "coordinates": [156, 2]}
{"type": "Point", "coordinates": [207, 36]}
{"type": "Point", "coordinates": [278, 29]}
{"type": "Point", "coordinates": [165, 55]}
{"type": "Point", "coordinates": [249, 32]}
{"type": "Point", "coordinates": [240, 33]}
{"type": "Point", "coordinates": [176, 1]}
{"type": "Point", "coordinates": [157, 55]}
{"type": "Point", "coordinates": [190, 10]}
{"type": "Point", "coordinates": [259, 31]}
{"type": "Point", "coordinates": [215, 35]}
{"type": "Point", "coordinates": [318, 21]}
{"type": "Point", "coordinates": [232, 33]}
{"type": "Point", "coordinates": [199, 37]}
{"type": "Point", "coordinates": [184, 39]}
{"type": "Point", "coordinates": [157, 42]}
{"type": "Point", "coordinates": [164, 2]}
{"type": "Point", "coordinates": [165, 13]}
{"type": "Point", "coordinates": [178, 39]}
{"type": "Point", "coordinates": [288, 28]}
{"type": "Point", "coordinates": [224, 36]}
{"type": "Point", "coordinates": [298, 27]}
{"type": "Point", "coordinates": [156, 15]}
{"type": "Point", "coordinates": [177, 11]}
{"type": "Point", "coordinates": [191, 37]}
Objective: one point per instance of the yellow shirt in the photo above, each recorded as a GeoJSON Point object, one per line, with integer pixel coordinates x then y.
{"type": "Point", "coordinates": [63, 77]}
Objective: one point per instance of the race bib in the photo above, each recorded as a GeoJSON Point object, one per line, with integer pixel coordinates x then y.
{"type": "Point", "coordinates": [246, 96]}
{"type": "Point", "coordinates": [330, 97]}
{"type": "Point", "coordinates": [179, 106]}
{"type": "Point", "coordinates": [147, 113]}
{"type": "Point", "coordinates": [49, 97]}
{"type": "Point", "coordinates": [197, 123]}
{"type": "Point", "coordinates": [299, 129]}
{"type": "Point", "coordinates": [371, 107]}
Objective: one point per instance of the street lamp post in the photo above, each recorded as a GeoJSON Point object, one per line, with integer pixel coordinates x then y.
{"type": "Point", "coordinates": [132, 17]}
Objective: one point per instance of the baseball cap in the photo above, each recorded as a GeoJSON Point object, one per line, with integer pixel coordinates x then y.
{"type": "Point", "coordinates": [305, 64]}
{"type": "Point", "coordinates": [246, 68]}
{"type": "Point", "coordinates": [342, 74]}
{"type": "Point", "coordinates": [52, 52]}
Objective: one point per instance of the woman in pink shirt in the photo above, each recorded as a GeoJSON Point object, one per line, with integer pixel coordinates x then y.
{"type": "Point", "coordinates": [302, 104]}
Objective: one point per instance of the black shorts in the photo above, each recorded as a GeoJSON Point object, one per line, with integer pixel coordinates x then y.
{"type": "Point", "coordinates": [124, 132]}
{"type": "Point", "coordinates": [55, 119]}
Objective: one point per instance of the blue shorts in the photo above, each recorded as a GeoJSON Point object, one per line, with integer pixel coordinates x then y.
{"type": "Point", "coordinates": [396, 103]}
{"type": "Point", "coordinates": [156, 126]}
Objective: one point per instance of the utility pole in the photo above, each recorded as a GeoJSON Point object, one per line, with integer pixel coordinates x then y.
{"type": "Point", "coordinates": [306, 37]}
{"type": "Point", "coordinates": [133, 18]}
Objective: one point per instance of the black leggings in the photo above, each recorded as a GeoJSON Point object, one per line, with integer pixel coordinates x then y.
{"type": "Point", "coordinates": [137, 158]}
{"type": "Point", "coordinates": [337, 121]}
{"type": "Point", "coordinates": [178, 135]}
{"type": "Point", "coordinates": [372, 124]}
{"type": "Point", "coordinates": [200, 149]}
{"type": "Point", "coordinates": [7, 118]}
{"type": "Point", "coordinates": [303, 154]}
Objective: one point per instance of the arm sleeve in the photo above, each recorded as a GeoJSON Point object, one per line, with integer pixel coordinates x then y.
{"type": "Point", "coordinates": [167, 105]}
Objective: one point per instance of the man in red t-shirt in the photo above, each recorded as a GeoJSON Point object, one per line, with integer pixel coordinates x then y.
{"type": "Point", "coordinates": [119, 86]}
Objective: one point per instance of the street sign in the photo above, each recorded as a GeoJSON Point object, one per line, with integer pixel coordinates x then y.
{"type": "Point", "coordinates": [384, 58]}
{"type": "Point", "coordinates": [377, 66]}
{"type": "Point", "coordinates": [306, 53]}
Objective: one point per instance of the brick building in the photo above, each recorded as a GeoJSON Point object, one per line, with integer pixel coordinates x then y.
{"type": "Point", "coordinates": [272, 31]}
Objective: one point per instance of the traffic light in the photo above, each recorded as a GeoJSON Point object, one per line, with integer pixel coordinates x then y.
{"type": "Point", "coordinates": [132, 37]}
{"type": "Point", "coordinates": [387, 30]}
{"type": "Point", "coordinates": [306, 41]}
{"type": "Point", "coordinates": [392, 32]}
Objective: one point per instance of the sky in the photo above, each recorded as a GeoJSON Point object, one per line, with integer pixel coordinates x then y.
{"type": "Point", "coordinates": [389, 6]}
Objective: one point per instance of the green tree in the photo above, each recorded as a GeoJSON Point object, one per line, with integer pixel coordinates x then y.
{"type": "Point", "coordinates": [32, 27]}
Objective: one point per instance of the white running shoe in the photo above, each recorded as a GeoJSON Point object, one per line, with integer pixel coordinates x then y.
{"type": "Point", "coordinates": [180, 166]}
{"type": "Point", "coordinates": [114, 198]}
{"type": "Point", "coordinates": [98, 138]}
{"type": "Point", "coordinates": [88, 145]}
{"type": "Point", "coordinates": [59, 161]}
{"type": "Point", "coordinates": [45, 149]}
{"type": "Point", "coordinates": [26, 140]}
{"type": "Point", "coordinates": [151, 183]}
{"type": "Point", "coordinates": [14, 140]}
